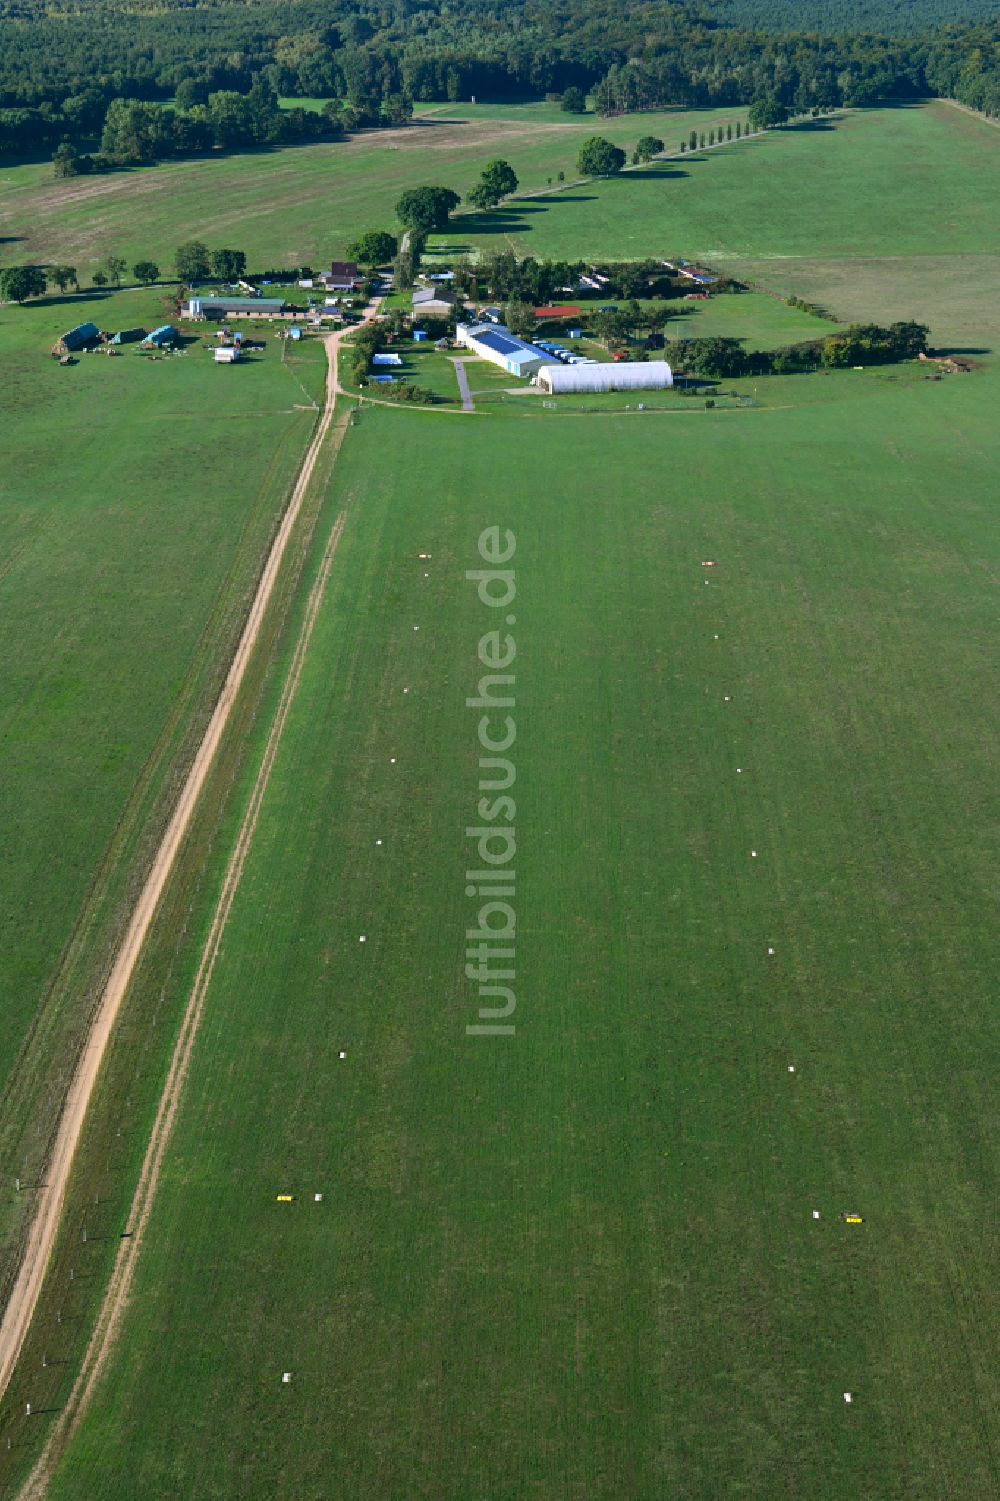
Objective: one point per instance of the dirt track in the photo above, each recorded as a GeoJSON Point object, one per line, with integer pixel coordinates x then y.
{"type": "Point", "coordinates": [44, 1225]}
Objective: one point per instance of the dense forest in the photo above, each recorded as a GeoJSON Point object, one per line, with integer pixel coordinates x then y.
{"type": "Point", "coordinates": [61, 69]}
{"type": "Point", "coordinates": [887, 17]}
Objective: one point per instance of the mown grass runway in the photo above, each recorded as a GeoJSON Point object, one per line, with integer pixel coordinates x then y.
{"type": "Point", "coordinates": [582, 1261]}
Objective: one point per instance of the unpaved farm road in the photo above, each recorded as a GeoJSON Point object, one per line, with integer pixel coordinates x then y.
{"type": "Point", "coordinates": [45, 1222]}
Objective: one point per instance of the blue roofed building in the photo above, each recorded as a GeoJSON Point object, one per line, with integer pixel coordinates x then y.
{"type": "Point", "coordinates": [497, 344]}
{"type": "Point", "coordinates": [160, 337]}
{"type": "Point", "coordinates": [76, 338]}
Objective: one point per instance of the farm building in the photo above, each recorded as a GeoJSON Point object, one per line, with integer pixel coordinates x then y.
{"type": "Point", "coordinates": [160, 337]}
{"type": "Point", "coordinates": [560, 310]}
{"type": "Point", "coordinates": [343, 276]}
{"type": "Point", "coordinates": [127, 336]}
{"type": "Point", "coordinates": [497, 344]}
{"type": "Point", "coordinates": [76, 338]}
{"type": "Point", "coordinates": [433, 302]}
{"type": "Point", "coordinates": [226, 354]}
{"type": "Point", "coordinates": [634, 375]}
{"type": "Point", "coordinates": [232, 307]}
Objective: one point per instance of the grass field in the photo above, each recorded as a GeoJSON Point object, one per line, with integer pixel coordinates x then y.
{"type": "Point", "coordinates": [582, 1261]}
{"type": "Point", "coordinates": [762, 322]}
{"type": "Point", "coordinates": [137, 497]}
{"type": "Point", "coordinates": [290, 207]}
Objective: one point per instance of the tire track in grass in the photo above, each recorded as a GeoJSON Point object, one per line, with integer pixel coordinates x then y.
{"type": "Point", "coordinates": [115, 1298]}
{"type": "Point", "coordinates": [44, 1226]}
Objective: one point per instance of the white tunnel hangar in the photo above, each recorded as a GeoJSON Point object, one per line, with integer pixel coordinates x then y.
{"type": "Point", "coordinates": [632, 375]}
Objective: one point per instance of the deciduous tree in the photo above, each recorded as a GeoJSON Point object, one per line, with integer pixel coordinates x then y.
{"type": "Point", "coordinates": [374, 248]}
{"type": "Point", "coordinates": [646, 148]}
{"type": "Point", "coordinates": [64, 276]}
{"type": "Point", "coordinates": [426, 208]}
{"type": "Point", "coordinates": [764, 114]}
{"type": "Point", "coordinates": [191, 261]}
{"type": "Point", "coordinates": [520, 318]}
{"type": "Point", "coordinates": [228, 265]}
{"type": "Point", "coordinates": [599, 158]}
{"type": "Point", "coordinates": [498, 179]}
{"type": "Point", "coordinates": [18, 283]}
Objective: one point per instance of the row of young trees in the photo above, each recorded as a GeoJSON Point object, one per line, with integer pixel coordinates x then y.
{"type": "Point", "coordinates": [193, 262]}
{"type": "Point", "coordinates": [20, 283]}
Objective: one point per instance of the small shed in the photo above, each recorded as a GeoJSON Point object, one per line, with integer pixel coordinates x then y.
{"type": "Point", "coordinates": [127, 336]}
{"type": "Point", "coordinates": [295, 333]}
{"type": "Point", "coordinates": [386, 359]}
{"type": "Point", "coordinates": [76, 338]}
{"type": "Point", "coordinates": [227, 354]}
{"type": "Point", "coordinates": [420, 336]}
{"type": "Point", "coordinates": [160, 337]}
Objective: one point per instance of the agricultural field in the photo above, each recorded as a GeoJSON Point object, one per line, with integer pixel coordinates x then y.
{"type": "Point", "coordinates": [612, 1253]}
{"type": "Point", "coordinates": [303, 205]}
{"type": "Point", "coordinates": [138, 497]}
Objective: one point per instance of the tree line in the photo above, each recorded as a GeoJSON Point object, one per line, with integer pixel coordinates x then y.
{"type": "Point", "coordinates": [861, 344]}
{"type": "Point", "coordinates": [59, 74]}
